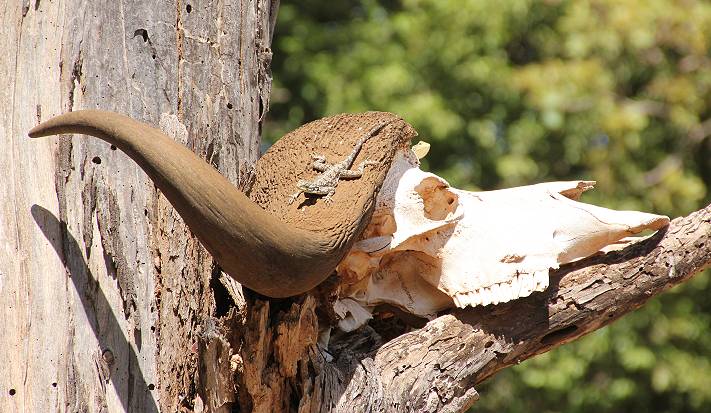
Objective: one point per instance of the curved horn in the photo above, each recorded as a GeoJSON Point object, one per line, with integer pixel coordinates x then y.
{"type": "Point", "coordinates": [254, 247]}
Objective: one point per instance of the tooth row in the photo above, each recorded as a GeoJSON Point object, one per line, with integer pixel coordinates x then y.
{"type": "Point", "coordinates": [520, 285]}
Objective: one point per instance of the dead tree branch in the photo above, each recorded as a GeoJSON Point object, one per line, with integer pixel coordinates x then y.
{"type": "Point", "coordinates": [437, 367]}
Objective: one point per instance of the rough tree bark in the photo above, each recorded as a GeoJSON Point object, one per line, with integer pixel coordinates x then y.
{"type": "Point", "coordinates": [101, 284]}
{"type": "Point", "coordinates": [111, 305]}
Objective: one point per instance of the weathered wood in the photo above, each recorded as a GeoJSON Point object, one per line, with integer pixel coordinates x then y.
{"type": "Point", "coordinates": [102, 283]}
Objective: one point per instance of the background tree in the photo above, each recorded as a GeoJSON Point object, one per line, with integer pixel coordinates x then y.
{"type": "Point", "coordinates": [517, 92]}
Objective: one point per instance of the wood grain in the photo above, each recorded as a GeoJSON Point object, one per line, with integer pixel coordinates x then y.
{"type": "Point", "coordinates": [102, 283]}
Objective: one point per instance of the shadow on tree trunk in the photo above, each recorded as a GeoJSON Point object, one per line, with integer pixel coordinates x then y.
{"type": "Point", "coordinates": [98, 311]}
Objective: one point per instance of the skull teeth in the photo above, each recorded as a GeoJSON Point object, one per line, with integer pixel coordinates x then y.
{"type": "Point", "coordinates": [522, 285]}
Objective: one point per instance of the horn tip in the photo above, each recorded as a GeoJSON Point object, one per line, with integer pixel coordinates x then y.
{"type": "Point", "coordinates": [37, 131]}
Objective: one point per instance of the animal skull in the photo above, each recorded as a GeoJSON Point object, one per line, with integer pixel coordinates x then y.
{"type": "Point", "coordinates": [430, 247]}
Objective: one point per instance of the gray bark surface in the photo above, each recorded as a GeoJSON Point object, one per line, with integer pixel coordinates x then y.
{"type": "Point", "coordinates": [101, 284]}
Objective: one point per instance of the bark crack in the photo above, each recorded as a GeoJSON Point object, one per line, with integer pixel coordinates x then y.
{"type": "Point", "coordinates": [179, 38]}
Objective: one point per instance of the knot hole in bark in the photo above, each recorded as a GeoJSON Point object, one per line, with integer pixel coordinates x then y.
{"type": "Point", "coordinates": [559, 335]}
{"type": "Point", "coordinates": [143, 33]}
{"type": "Point", "coordinates": [223, 301]}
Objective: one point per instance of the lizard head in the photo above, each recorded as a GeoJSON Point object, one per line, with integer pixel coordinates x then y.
{"type": "Point", "coordinates": [304, 185]}
{"type": "Point", "coordinates": [310, 187]}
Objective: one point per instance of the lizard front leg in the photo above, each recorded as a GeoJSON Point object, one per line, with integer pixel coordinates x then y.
{"type": "Point", "coordinates": [358, 172]}
{"type": "Point", "coordinates": [302, 186]}
{"type": "Point", "coordinates": [293, 197]}
{"type": "Point", "coordinates": [328, 199]}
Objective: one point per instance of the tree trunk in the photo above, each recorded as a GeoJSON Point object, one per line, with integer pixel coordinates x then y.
{"type": "Point", "coordinates": [102, 284]}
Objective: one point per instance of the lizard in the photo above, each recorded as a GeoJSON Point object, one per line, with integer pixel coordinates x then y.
{"type": "Point", "coordinates": [325, 183]}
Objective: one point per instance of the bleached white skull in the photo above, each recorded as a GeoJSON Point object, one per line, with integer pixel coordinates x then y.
{"type": "Point", "coordinates": [430, 247]}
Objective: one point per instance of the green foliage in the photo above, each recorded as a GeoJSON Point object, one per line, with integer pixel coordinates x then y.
{"type": "Point", "coordinates": [517, 92]}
